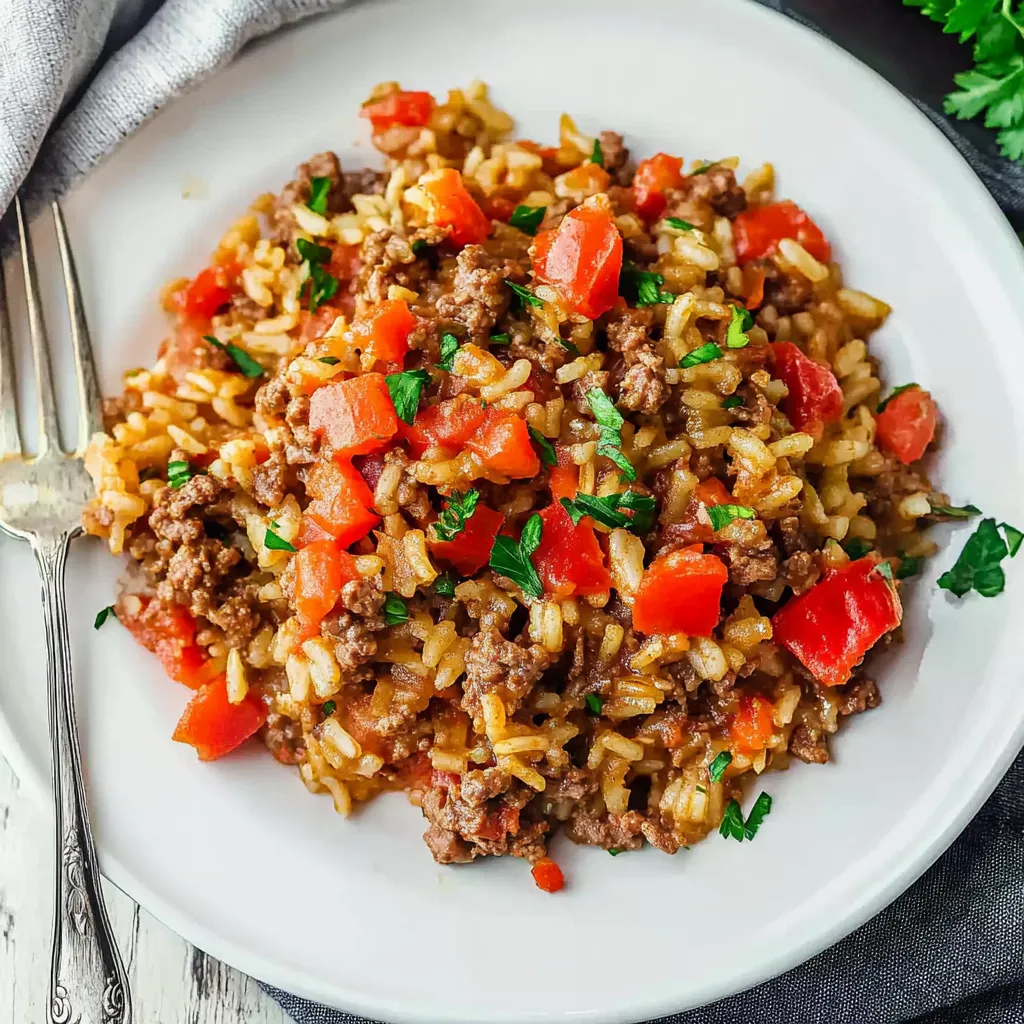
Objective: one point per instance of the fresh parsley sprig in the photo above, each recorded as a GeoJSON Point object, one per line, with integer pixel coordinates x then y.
{"type": "Point", "coordinates": [318, 191]}
{"type": "Point", "coordinates": [704, 354]}
{"type": "Point", "coordinates": [178, 473]}
{"type": "Point", "coordinates": [449, 346]}
{"type": "Point", "coordinates": [245, 362]}
{"type": "Point", "coordinates": [276, 543]}
{"type": "Point", "coordinates": [511, 558]}
{"type": "Point", "coordinates": [609, 443]}
{"type": "Point", "coordinates": [316, 281]}
{"type": "Point", "coordinates": [742, 321]}
{"type": "Point", "coordinates": [892, 394]}
{"type": "Point", "coordinates": [978, 567]}
{"type": "Point", "coordinates": [405, 389]}
{"type": "Point", "coordinates": [722, 515]}
{"type": "Point", "coordinates": [734, 827]}
{"type": "Point", "coordinates": [609, 510]}
{"type": "Point", "coordinates": [526, 297]}
{"type": "Point", "coordinates": [458, 510]}
{"type": "Point", "coordinates": [597, 154]}
{"type": "Point", "coordinates": [102, 615]}
{"type": "Point", "coordinates": [642, 287]}
{"type": "Point", "coordinates": [396, 611]}
{"type": "Point", "coordinates": [527, 218]}
{"type": "Point", "coordinates": [547, 450]}
{"type": "Point", "coordinates": [717, 767]}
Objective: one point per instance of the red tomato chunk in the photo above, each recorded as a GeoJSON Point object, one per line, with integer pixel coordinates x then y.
{"type": "Point", "coordinates": [906, 426]}
{"type": "Point", "coordinates": [321, 570]}
{"type": "Point", "coordinates": [169, 633]}
{"type": "Point", "coordinates": [504, 446]}
{"type": "Point", "coordinates": [215, 726]}
{"type": "Point", "coordinates": [834, 624]}
{"type": "Point", "coordinates": [383, 332]}
{"type": "Point", "coordinates": [451, 206]}
{"type": "Point", "coordinates": [680, 593]}
{"type": "Point", "coordinates": [569, 559]}
{"type": "Point", "coordinates": [548, 875]}
{"type": "Point", "coordinates": [753, 725]}
{"type": "Point", "coordinates": [409, 109]}
{"type": "Point", "coordinates": [355, 416]}
{"type": "Point", "coordinates": [757, 232]}
{"type": "Point", "coordinates": [815, 397]}
{"type": "Point", "coordinates": [341, 505]}
{"type": "Point", "coordinates": [210, 290]}
{"type": "Point", "coordinates": [449, 424]}
{"type": "Point", "coordinates": [653, 178]}
{"type": "Point", "coordinates": [470, 551]}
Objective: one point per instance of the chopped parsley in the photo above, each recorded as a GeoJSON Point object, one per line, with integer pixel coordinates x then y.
{"type": "Point", "coordinates": [717, 767]}
{"type": "Point", "coordinates": [511, 558]}
{"type": "Point", "coordinates": [702, 170]}
{"type": "Point", "coordinates": [569, 347]}
{"type": "Point", "coordinates": [978, 566]}
{"type": "Point", "coordinates": [449, 346]}
{"type": "Point", "coordinates": [419, 246]}
{"type": "Point", "coordinates": [593, 703]}
{"type": "Point", "coordinates": [884, 569]}
{"type": "Point", "coordinates": [527, 218]}
{"type": "Point", "coordinates": [894, 393]}
{"type": "Point", "coordinates": [609, 443]}
{"type": "Point", "coordinates": [329, 360]}
{"type": "Point", "coordinates": [642, 287]}
{"type": "Point", "coordinates": [500, 339]}
{"type": "Point", "coordinates": [606, 510]}
{"type": "Point", "coordinates": [178, 473]}
{"type": "Point", "coordinates": [102, 615]}
{"type": "Point", "coordinates": [701, 789]}
{"type": "Point", "coordinates": [956, 511]}
{"type": "Point", "coordinates": [547, 451]}
{"type": "Point", "coordinates": [245, 362]}
{"type": "Point", "coordinates": [722, 515]}
{"type": "Point", "coordinates": [856, 547]}
{"type": "Point", "coordinates": [458, 509]}
{"type": "Point", "coordinates": [395, 611]}
{"type": "Point", "coordinates": [526, 297]}
{"type": "Point", "coordinates": [276, 543]}
{"type": "Point", "coordinates": [405, 389]}
{"type": "Point", "coordinates": [614, 851]}
{"type": "Point", "coordinates": [328, 708]}
{"type": "Point", "coordinates": [678, 223]}
{"type": "Point", "coordinates": [321, 285]}
{"type": "Point", "coordinates": [732, 402]}
{"type": "Point", "coordinates": [910, 565]}
{"type": "Point", "coordinates": [742, 321]}
{"type": "Point", "coordinates": [705, 354]}
{"type": "Point", "coordinates": [318, 190]}
{"type": "Point", "coordinates": [734, 827]}
{"type": "Point", "coordinates": [597, 154]}
{"type": "Point", "coordinates": [1013, 537]}
{"type": "Point", "coordinates": [445, 585]}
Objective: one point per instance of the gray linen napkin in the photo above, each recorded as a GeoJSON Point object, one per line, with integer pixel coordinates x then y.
{"type": "Point", "coordinates": [77, 76]}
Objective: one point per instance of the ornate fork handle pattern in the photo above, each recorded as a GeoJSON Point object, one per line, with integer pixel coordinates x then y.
{"type": "Point", "coordinates": [88, 984]}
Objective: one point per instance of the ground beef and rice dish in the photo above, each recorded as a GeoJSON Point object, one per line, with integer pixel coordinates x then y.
{"type": "Point", "coordinates": [549, 487]}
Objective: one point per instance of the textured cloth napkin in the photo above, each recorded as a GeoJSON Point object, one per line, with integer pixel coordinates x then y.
{"type": "Point", "coordinates": [77, 76]}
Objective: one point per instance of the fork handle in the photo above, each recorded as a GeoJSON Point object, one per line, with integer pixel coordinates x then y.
{"type": "Point", "coordinates": [87, 976]}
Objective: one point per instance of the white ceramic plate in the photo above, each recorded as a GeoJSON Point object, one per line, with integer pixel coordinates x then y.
{"type": "Point", "coordinates": [236, 856]}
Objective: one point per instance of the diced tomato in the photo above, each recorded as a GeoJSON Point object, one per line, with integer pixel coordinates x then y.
{"type": "Point", "coordinates": [211, 289]}
{"type": "Point", "coordinates": [184, 350]}
{"type": "Point", "coordinates": [215, 726]}
{"type": "Point", "coordinates": [383, 331]}
{"type": "Point", "coordinates": [564, 481]}
{"type": "Point", "coordinates": [354, 416]}
{"type": "Point", "coordinates": [753, 725]}
{"type": "Point", "coordinates": [495, 825]}
{"type": "Point", "coordinates": [588, 179]}
{"type": "Point", "coordinates": [452, 206]}
{"type": "Point", "coordinates": [569, 559]}
{"type": "Point", "coordinates": [319, 323]}
{"type": "Point", "coordinates": [450, 424]}
{"type": "Point", "coordinates": [471, 549]}
{"type": "Point", "coordinates": [410, 109]}
{"type": "Point", "coordinates": [907, 424]}
{"type": "Point", "coordinates": [833, 625]}
{"type": "Point", "coordinates": [712, 492]}
{"type": "Point", "coordinates": [169, 632]}
{"type": "Point", "coordinates": [321, 570]}
{"type": "Point", "coordinates": [346, 261]}
{"type": "Point", "coordinates": [340, 507]}
{"type": "Point", "coordinates": [582, 258]}
{"type": "Point", "coordinates": [754, 280]}
{"type": "Point", "coordinates": [680, 593]}
{"type": "Point", "coordinates": [504, 446]}
{"type": "Point", "coordinates": [815, 397]}
{"type": "Point", "coordinates": [756, 232]}
{"type": "Point", "coordinates": [652, 180]}
{"type": "Point", "coordinates": [370, 468]}
{"type": "Point", "coordinates": [499, 207]}
{"type": "Point", "coordinates": [548, 875]}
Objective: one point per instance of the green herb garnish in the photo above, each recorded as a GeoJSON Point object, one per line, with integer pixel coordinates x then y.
{"type": "Point", "coordinates": [419, 246]}
{"type": "Point", "coordinates": [956, 511]}
{"type": "Point", "coordinates": [445, 585]}
{"type": "Point", "coordinates": [732, 402]}
{"type": "Point", "coordinates": [318, 190]}
{"type": "Point", "coordinates": [569, 347]}
{"type": "Point", "coordinates": [679, 224]}
{"type": "Point", "coordinates": [910, 565]}
{"type": "Point", "coordinates": [321, 285]}
{"type": "Point", "coordinates": [275, 543]}
{"type": "Point", "coordinates": [732, 822]}
{"type": "Point", "coordinates": [894, 393]}
{"type": "Point", "coordinates": [547, 451]}
{"type": "Point", "coordinates": [458, 510]}
{"type": "Point", "coordinates": [329, 360]}
{"type": "Point", "coordinates": [614, 851]}
{"type": "Point", "coordinates": [500, 339]}
{"type": "Point", "coordinates": [526, 297]}
{"type": "Point", "coordinates": [328, 708]}
{"type": "Point", "coordinates": [511, 558]}
{"type": "Point", "coordinates": [178, 473]}
{"type": "Point", "coordinates": [245, 362]}
{"type": "Point", "coordinates": [609, 443]}
{"type": "Point", "coordinates": [597, 154]}
{"type": "Point", "coordinates": [702, 170]}
{"type": "Point", "coordinates": [405, 389]}
{"type": "Point", "coordinates": [102, 615]}
{"type": "Point", "coordinates": [593, 703]}
{"type": "Point", "coordinates": [717, 767]}
{"type": "Point", "coordinates": [978, 566]}
{"type": "Point", "coordinates": [734, 827]}
{"type": "Point", "coordinates": [1013, 538]}
{"type": "Point", "coordinates": [527, 218]}
{"type": "Point", "coordinates": [884, 569]}
{"type": "Point", "coordinates": [643, 287]}
{"type": "Point", "coordinates": [761, 809]}
{"type": "Point", "coordinates": [742, 321]}
{"type": "Point", "coordinates": [449, 346]}
{"type": "Point", "coordinates": [395, 610]}
{"type": "Point", "coordinates": [856, 547]}
{"type": "Point", "coordinates": [722, 515]}
{"type": "Point", "coordinates": [705, 354]}
{"type": "Point", "coordinates": [606, 510]}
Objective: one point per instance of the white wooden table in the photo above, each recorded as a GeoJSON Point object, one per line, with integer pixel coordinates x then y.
{"type": "Point", "coordinates": [172, 983]}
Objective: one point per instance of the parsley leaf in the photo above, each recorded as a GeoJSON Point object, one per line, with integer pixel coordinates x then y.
{"type": "Point", "coordinates": [458, 509]}
{"type": "Point", "coordinates": [500, 339]}
{"type": "Point", "coordinates": [717, 767]}
{"type": "Point", "coordinates": [245, 362]}
{"type": "Point", "coordinates": [328, 708]}
{"type": "Point", "coordinates": [319, 283]}
{"type": "Point", "coordinates": [1013, 537]}
{"type": "Point", "coordinates": [642, 287]}
{"type": "Point", "coordinates": [761, 809]}
{"type": "Point", "coordinates": [678, 223]}
{"type": "Point", "coordinates": [593, 703]}
{"type": "Point", "coordinates": [419, 246]}
{"type": "Point", "coordinates": [734, 827]}
{"type": "Point", "coordinates": [318, 189]}
{"type": "Point", "coordinates": [527, 218]}
{"type": "Point", "coordinates": [178, 473]}
{"type": "Point", "coordinates": [405, 389]}
{"type": "Point", "coordinates": [910, 565]}
{"type": "Point", "coordinates": [722, 515]}
{"type": "Point", "coordinates": [856, 547]}
{"type": "Point", "coordinates": [569, 347]}
{"type": "Point", "coordinates": [894, 393]}
{"type": "Point", "coordinates": [978, 566]}
{"type": "Point", "coordinates": [547, 451]}
{"type": "Point", "coordinates": [395, 611]}
{"type": "Point", "coordinates": [606, 510]}
{"type": "Point", "coordinates": [511, 558]}
{"type": "Point", "coordinates": [705, 354]}
{"type": "Point", "coordinates": [449, 346]}
{"type": "Point", "coordinates": [597, 154]}
{"type": "Point", "coordinates": [102, 615]}
{"type": "Point", "coordinates": [329, 360]}
{"type": "Point", "coordinates": [732, 822]}
{"type": "Point", "coordinates": [609, 443]}
{"type": "Point", "coordinates": [956, 511]}
{"type": "Point", "coordinates": [614, 851]}
{"type": "Point", "coordinates": [275, 543]}
{"type": "Point", "coordinates": [445, 585]}
{"type": "Point", "coordinates": [732, 402]}
{"type": "Point", "coordinates": [526, 297]}
{"type": "Point", "coordinates": [742, 321]}
{"type": "Point", "coordinates": [702, 170]}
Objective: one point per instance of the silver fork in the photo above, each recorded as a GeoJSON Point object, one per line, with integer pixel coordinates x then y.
{"type": "Point", "coordinates": [41, 501]}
